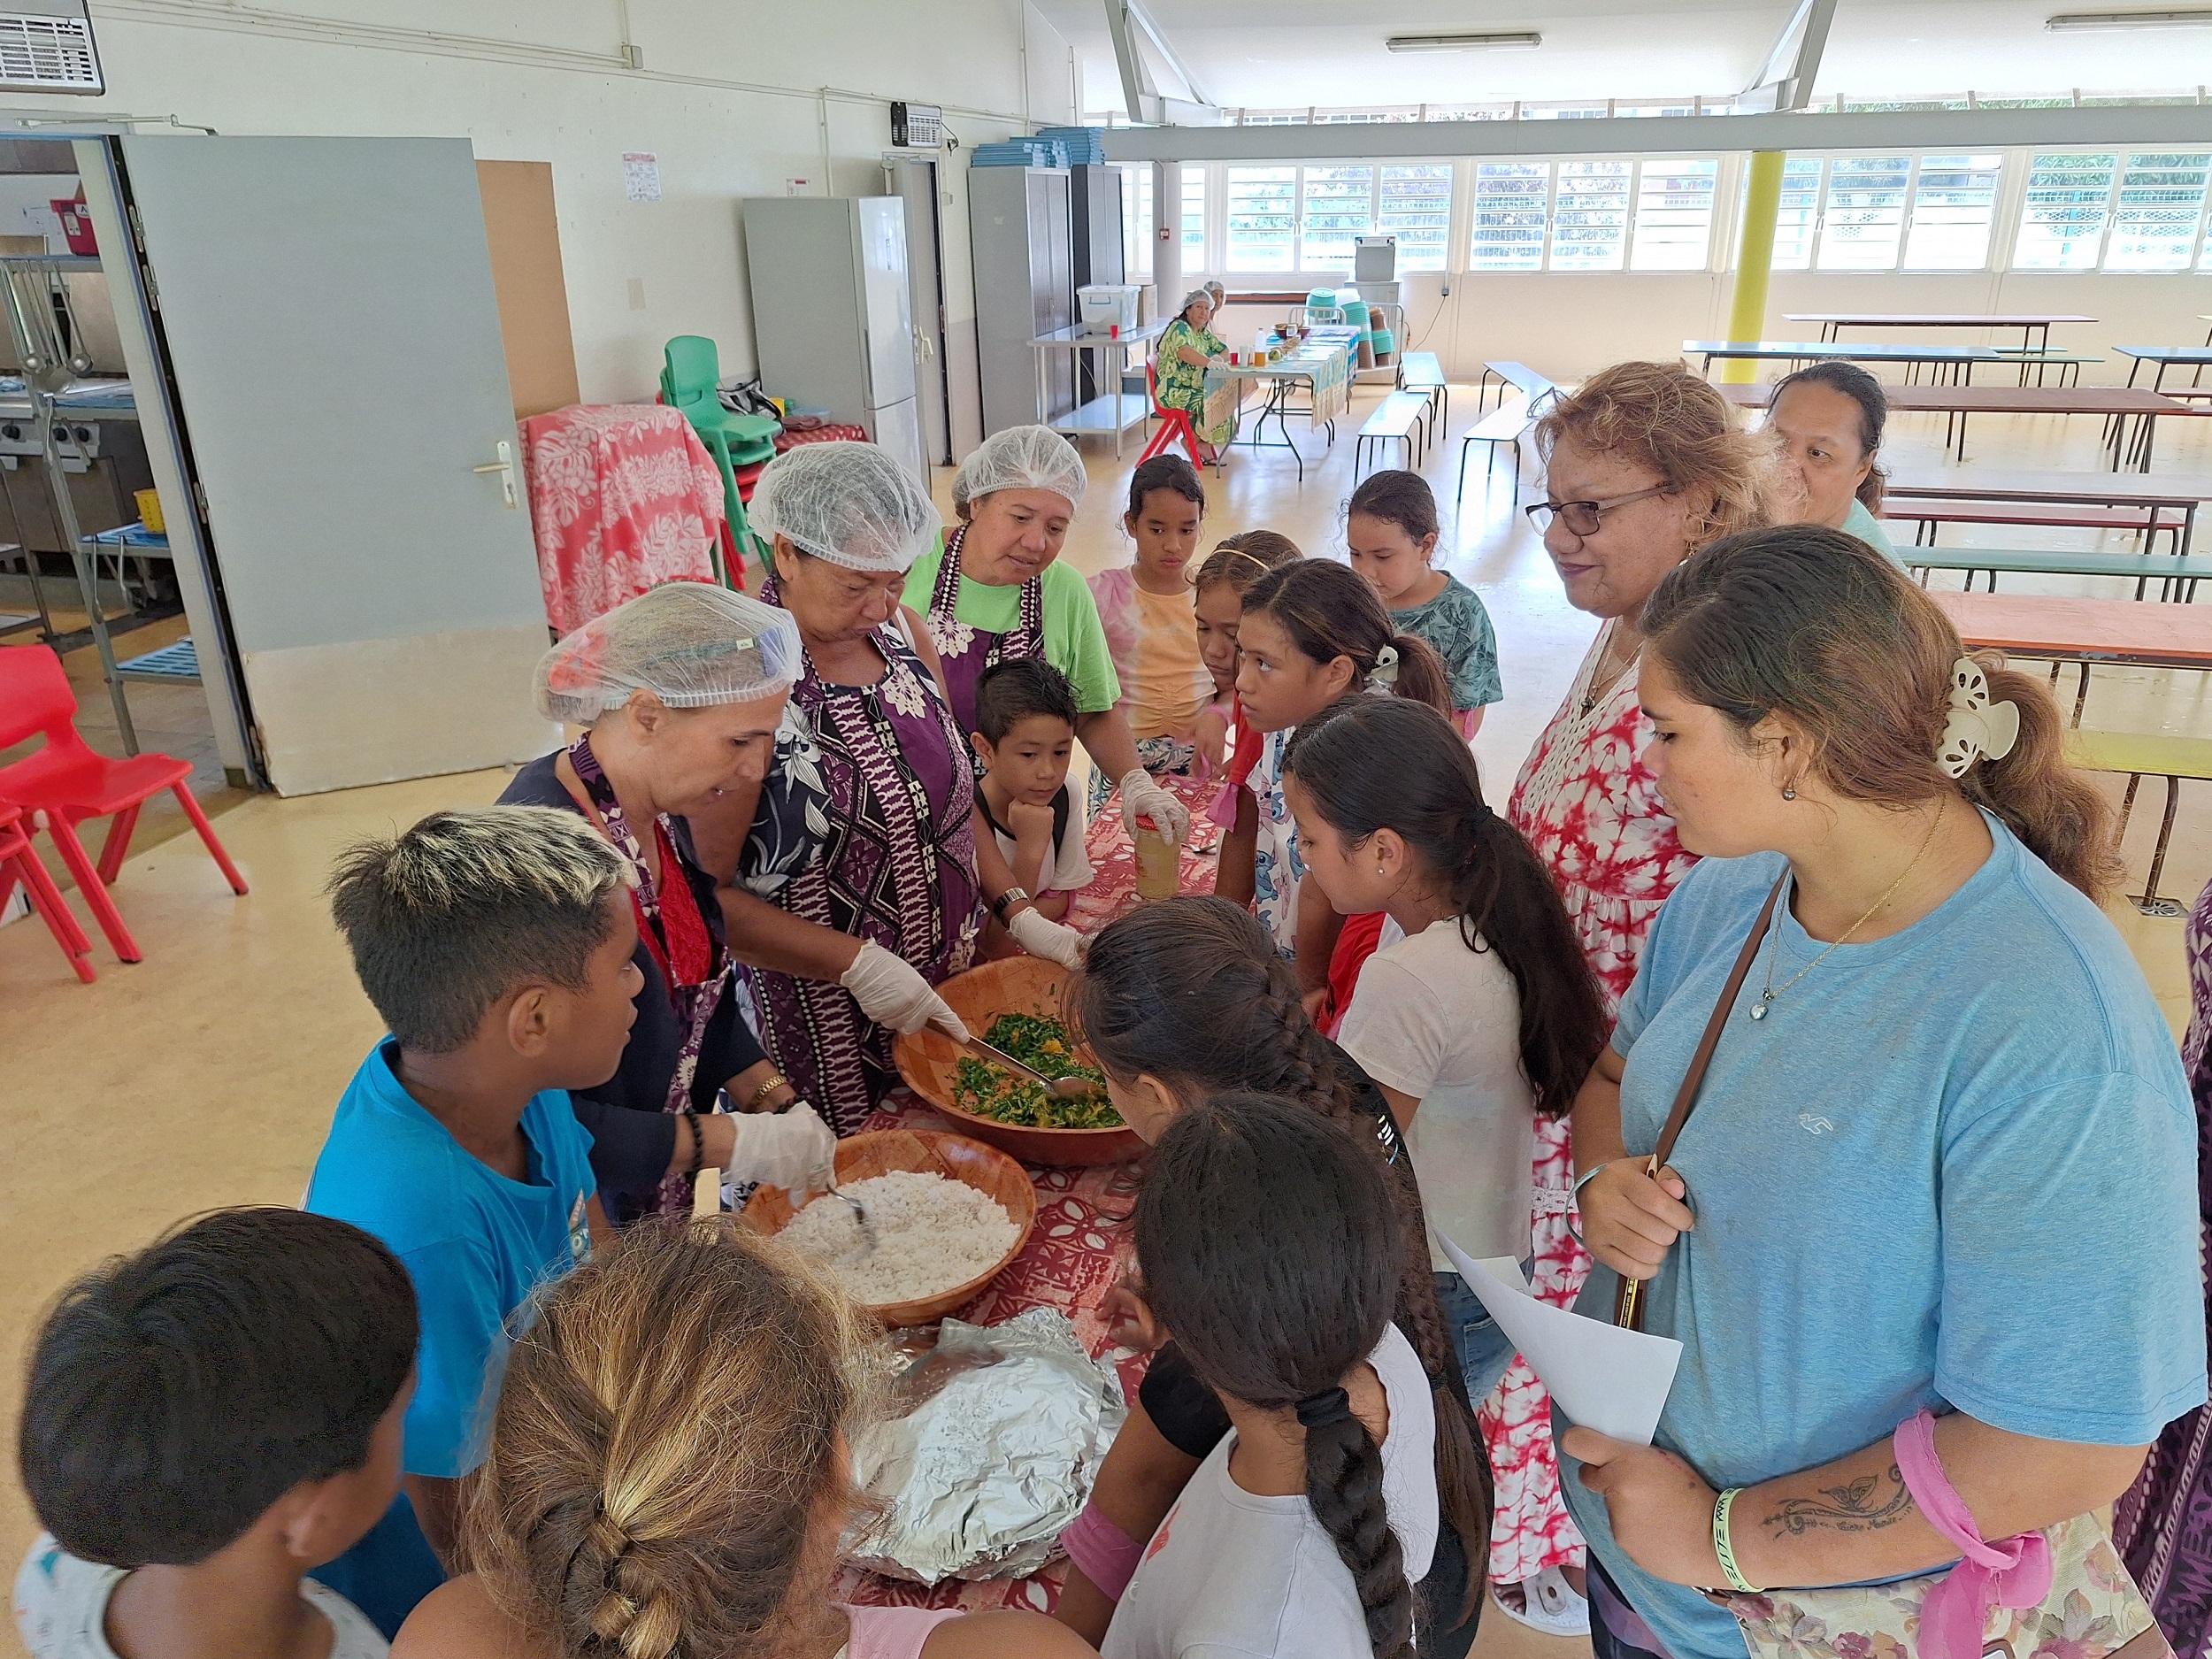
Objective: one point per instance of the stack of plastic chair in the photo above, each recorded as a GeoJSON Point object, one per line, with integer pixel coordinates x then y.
{"type": "Point", "coordinates": [69, 782]}
{"type": "Point", "coordinates": [691, 375]}
{"type": "Point", "coordinates": [20, 862]}
{"type": "Point", "coordinates": [1175, 425]}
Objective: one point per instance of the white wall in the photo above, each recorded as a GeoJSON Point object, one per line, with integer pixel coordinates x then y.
{"type": "Point", "coordinates": [730, 98]}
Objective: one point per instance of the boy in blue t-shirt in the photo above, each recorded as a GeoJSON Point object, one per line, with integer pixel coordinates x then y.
{"type": "Point", "coordinates": [496, 945]}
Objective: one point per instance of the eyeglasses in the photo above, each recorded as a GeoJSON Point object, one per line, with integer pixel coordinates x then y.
{"type": "Point", "coordinates": [1582, 518]}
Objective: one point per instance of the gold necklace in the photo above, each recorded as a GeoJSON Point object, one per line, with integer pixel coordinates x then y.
{"type": "Point", "coordinates": [1601, 681]}
{"type": "Point", "coordinates": [1768, 994]}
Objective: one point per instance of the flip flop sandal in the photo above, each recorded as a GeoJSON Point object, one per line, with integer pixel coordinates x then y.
{"type": "Point", "coordinates": [1548, 1604]}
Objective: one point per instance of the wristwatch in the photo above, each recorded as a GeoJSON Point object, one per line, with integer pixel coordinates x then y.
{"type": "Point", "coordinates": [1007, 900]}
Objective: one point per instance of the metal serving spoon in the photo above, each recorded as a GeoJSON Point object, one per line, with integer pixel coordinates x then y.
{"type": "Point", "coordinates": [1059, 1088]}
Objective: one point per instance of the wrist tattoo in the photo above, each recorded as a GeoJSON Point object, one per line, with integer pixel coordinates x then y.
{"type": "Point", "coordinates": [1865, 1505]}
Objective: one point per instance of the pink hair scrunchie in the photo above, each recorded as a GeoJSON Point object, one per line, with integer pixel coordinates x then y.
{"type": "Point", "coordinates": [2014, 1572]}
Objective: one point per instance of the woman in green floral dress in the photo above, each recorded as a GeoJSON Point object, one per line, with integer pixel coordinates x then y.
{"type": "Point", "coordinates": [1185, 348]}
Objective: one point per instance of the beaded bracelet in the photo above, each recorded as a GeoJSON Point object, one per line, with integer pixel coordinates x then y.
{"type": "Point", "coordinates": [1734, 1574]}
{"type": "Point", "coordinates": [698, 1142]}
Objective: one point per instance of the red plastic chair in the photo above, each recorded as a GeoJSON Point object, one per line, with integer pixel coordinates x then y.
{"type": "Point", "coordinates": [1174, 424]}
{"type": "Point", "coordinates": [20, 862]}
{"type": "Point", "coordinates": [70, 783]}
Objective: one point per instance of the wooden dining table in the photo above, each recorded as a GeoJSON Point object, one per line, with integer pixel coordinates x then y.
{"type": "Point", "coordinates": [2034, 327]}
{"type": "Point", "coordinates": [2156, 493]}
{"type": "Point", "coordinates": [2085, 631]}
{"type": "Point", "coordinates": [2132, 411]}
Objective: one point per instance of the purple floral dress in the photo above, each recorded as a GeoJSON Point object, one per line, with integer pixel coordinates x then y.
{"type": "Point", "coordinates": [2163, 1525]}
{"type": "Point", "coordinates": [898, 868]}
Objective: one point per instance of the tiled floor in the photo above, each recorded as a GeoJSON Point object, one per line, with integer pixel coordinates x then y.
{"type": "Point", "coordinates": [205, 1075]}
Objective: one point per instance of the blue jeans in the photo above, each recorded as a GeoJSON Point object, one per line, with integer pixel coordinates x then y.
{"type": "Point", "coordinates": [1485, 1351]}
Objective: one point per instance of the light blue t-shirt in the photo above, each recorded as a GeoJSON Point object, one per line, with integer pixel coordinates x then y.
{"type": "Point", "coordinates": [1955, 1168]}
{"type": "Point", "coordinates": [1861, 523]}
{"type": "Point", "coordinates": [475, 1243]}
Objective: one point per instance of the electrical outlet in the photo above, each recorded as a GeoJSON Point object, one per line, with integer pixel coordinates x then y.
{"type": "Point", "coordinates": [637, 293]}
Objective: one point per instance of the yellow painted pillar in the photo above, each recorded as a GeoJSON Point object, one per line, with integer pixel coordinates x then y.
{"type": "Point", "coordinates": [1755, 263]}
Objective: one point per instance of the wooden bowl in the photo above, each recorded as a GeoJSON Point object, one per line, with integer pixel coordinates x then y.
{"type": "Point", "coordinates": [927, 1059]}
{"type": "Point", "coordinates": [955, 1157]}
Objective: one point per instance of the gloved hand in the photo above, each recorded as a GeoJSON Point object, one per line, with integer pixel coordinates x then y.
{"type": "Point", "coordinates": [793, 1149]}
{"type": "Point", "coordinates": [1041, 936]}
{"type": "Point", "coordinates": [1140, 797]}
{"type": "Point", "coordinates": [891, 993]}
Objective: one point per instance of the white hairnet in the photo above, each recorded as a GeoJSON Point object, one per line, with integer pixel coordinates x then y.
{"type": "Point", "coordinates": [691, 645]}
{"type": "Point", "coordinates": [850, 503]}
{"type": "Point", "coordinates": [1022, 458]}
{"type": "Point", "coordinates": [1194, 297]}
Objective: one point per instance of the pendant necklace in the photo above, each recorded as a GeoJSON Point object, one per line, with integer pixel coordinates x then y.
{"type": "Point", "coordinates": [1771, 991]}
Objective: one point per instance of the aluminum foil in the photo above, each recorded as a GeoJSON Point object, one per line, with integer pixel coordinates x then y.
{"type": "Point", "coordinates": [997, 1433]}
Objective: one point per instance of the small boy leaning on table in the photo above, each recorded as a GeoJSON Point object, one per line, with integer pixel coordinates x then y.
{"type": "Point", "coordinates": [1025, 715]}
{"type": "Point", "coordinates": [496, 943]}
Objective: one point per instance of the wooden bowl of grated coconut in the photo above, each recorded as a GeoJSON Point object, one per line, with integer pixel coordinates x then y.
{"type": "Point", "coordinates": [948, 1214]}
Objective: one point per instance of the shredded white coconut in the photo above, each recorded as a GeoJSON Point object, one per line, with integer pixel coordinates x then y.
{"type": "Point", "coordinates": [930, 1234]}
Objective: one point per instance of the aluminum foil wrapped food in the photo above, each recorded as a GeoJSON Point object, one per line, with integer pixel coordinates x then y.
{"type": "Point", "coordinates": [996, 1435]}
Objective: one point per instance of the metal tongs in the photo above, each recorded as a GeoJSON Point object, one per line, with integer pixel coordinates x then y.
{"type": "Point", "coordinates": [1059, 1088]}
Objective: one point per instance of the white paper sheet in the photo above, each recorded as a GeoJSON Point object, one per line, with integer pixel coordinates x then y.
{"type": "Point", "coordinates": [1604, 1378]}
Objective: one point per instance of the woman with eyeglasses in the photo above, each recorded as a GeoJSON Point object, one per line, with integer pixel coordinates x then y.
{"type": "Point", "coordinates": [1645, 465]}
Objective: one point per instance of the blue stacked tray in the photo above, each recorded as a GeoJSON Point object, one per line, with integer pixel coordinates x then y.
{"type": "Point", "coordinates": [1086, 146]}
{"type": "Point", "coordinates": [1018, 152]}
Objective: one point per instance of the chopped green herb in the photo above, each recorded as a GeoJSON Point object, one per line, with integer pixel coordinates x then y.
{"type": "Point", "coordinates": [990, 1091]}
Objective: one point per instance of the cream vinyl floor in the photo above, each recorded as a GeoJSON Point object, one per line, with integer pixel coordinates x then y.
{"type": "Point", "coordinates": [206, 1075]}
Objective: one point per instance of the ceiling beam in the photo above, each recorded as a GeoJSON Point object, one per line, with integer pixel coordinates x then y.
{"type": "Point", "coordinates": [2153, 124]}
{"type": "Point", "coordinates": [1786, 80]}
{"type": "Point", "coordinates": [1126, 21]}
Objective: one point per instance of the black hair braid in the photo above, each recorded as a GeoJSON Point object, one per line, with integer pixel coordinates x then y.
{"type": "Point", "coordinates": [1344, 1482]}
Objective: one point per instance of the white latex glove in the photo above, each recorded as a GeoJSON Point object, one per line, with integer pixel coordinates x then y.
{"type": "Point", "coordinates": [1140, 797]}
{"type": "Point", "coordinates": [793, 1148]}
{"type": "Point", "coordinates": [891, 993]}
{"type": "Point", "coordinates": [1041, 936]}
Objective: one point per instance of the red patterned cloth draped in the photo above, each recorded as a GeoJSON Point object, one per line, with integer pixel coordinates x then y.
{"type": "Point", "coordinates": [623, 497]}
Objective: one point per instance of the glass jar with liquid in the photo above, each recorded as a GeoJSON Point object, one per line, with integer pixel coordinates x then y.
{"type": "Point", "coordinates": [1158, 876]}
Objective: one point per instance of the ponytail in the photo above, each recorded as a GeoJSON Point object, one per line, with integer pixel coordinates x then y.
{"type": "Point", "coordinates": [1329, 611]}
{"type": "Point", "coordinates": [1368, 764]}
{"type": "Point", "coordinates": [1193, 992]}
{"type": "Point", "coordinates": [1265, 1238]}
{"type": "Point", "coordinates": [1810, 623]}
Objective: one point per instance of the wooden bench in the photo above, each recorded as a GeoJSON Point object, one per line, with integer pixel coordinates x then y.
{"type": "Point", "coordinates": [1925, 514]}
{"type": "Point", "coordinates": [2138, 757]}
{"type": "Point", "coordinates": [1421, 371]}
{"type": "Point", "coordinates": [1402, 418]}
{"type": "Point", "coordinates": [2178, 577]}
{"type": "Point", "coordinates": [1507, 424]}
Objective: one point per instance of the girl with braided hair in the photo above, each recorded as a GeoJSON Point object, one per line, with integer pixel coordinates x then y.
{"type": "Point", "coordinates": [667, 1475]}
{"type": "Point", "coordinates": [1268, 1240]}
{"type": "Point", "coordinates": [1181, 1000]}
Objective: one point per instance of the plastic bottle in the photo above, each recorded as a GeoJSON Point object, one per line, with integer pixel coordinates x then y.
{"type": "Point", "coordinates": [1158, 875]}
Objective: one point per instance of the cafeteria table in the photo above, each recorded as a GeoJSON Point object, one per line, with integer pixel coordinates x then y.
{"type": "Point", "coordinates": [1110, 413]}
{"type": "Point", "coordinates": [2133, 412]}
{"type": "Point", "coordinates": [1958, 361]}
{"type": "Point", "coordinates": [2034, 327]}
{"type": "Point", "coordinates": [1322, 362]}
{"type": "Point", "coordinates": [2083, 631]}
{"type": "Point", "coordinates": [2196, 358]}
{"type": "Point", "coordinates": [2159, 492]}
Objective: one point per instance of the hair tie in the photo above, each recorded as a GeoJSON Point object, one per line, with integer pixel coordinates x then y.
{"type": "Point", "coordinates": [1325, 1410]}
{"type": "Point", "coordinates": [1385, 671]}
{"type": "Point", "coordinates": [1974, 727]}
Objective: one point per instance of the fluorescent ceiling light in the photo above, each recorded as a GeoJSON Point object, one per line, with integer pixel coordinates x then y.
{"type": "Point", "coordinates": [1515, 43]}
{"type": "Point", "coordinates": [2098, 21]}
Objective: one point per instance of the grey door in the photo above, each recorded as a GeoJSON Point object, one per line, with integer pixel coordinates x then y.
{"type": "Point", "coordinates": [325, 307]}
{"type": "Point", "coordinates": [914, 182]}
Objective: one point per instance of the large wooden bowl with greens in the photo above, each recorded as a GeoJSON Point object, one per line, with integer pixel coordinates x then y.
{"type": "Point", "coordinates": [960, 1085]}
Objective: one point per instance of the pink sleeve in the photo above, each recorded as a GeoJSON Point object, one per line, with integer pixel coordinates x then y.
{"type": "Point", "coordinates": [1114, 593]}
{"type": "Point", "coordinates": [893, 1632]}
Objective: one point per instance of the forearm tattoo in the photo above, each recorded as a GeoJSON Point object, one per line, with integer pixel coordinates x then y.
{"type": "Point", "coordinates": [1865, 1505]}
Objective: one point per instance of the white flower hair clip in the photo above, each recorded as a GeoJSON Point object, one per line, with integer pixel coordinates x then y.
{"type": "Point", "coordinates": [1386, 671]}
{"type": "Point", "coordinates": [1975, 726]}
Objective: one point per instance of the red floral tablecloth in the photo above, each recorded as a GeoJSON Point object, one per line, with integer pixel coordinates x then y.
{"type": "Point", "coordinates": [1113, 888]}
{"type": "Point", "coordinates": [1070, 1263]}
{"type": "Point", "coordinates": [623, 497]}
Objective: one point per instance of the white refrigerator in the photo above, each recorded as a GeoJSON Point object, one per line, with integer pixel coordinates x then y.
{"type": "Point", "coordinates": [833, 324]}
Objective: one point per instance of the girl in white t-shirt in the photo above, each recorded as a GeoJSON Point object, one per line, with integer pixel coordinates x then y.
{"type": "Point", "coordinates": [1268, 1243]}
{"type": "Point", "coordinates": [1484, 1014]}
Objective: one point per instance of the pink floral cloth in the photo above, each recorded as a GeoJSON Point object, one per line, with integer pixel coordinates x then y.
{"type": "Point", "coordinates": [1590, 808]}
{"type": "Point", "coordinates": [623, 497]}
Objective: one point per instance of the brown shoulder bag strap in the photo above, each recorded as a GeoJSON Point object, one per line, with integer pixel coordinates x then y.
{"type": "Point", "coordinates": [1628, 1304]}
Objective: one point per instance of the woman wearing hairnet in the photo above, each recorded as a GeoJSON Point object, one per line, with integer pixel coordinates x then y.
{"type": "Point", "coordinates": [998, 591]}
{"type": "Point", "coordinates": [1185, 348]}
{"type": "Point", "coordinates": [681, 691]}
{"type": "Point", "coordinates": [848, 947]}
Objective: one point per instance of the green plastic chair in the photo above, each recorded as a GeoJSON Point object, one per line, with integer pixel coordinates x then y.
{"type": "Point", "coordinates": [691, 371]}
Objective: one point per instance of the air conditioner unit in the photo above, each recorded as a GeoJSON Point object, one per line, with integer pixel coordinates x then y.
{"type": "Point", "coordinates": [46, 46]}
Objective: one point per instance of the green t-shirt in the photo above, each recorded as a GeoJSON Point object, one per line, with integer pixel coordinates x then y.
{"type": "Point", "coordinates": [1868, 528]}
{"type": "Point", "coordinates": [1075, 642]}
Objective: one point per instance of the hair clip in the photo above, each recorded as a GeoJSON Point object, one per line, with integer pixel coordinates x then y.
{"type": "Point", "coordinates": [1974, 727]}
{"type": "Point", "coordinates": [1385, 670]}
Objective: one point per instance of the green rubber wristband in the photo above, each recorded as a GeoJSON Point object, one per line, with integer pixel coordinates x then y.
{"type": "Point", "coordinates": [1734, 1574]}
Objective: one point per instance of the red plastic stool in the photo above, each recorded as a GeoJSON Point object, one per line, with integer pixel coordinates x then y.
{"type": "Point", "coordinates": [20, 862]}
{"type": "Point", "coordinates": [1175, 423]}
{"type": "Point", "coordinates": [70, 782]}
